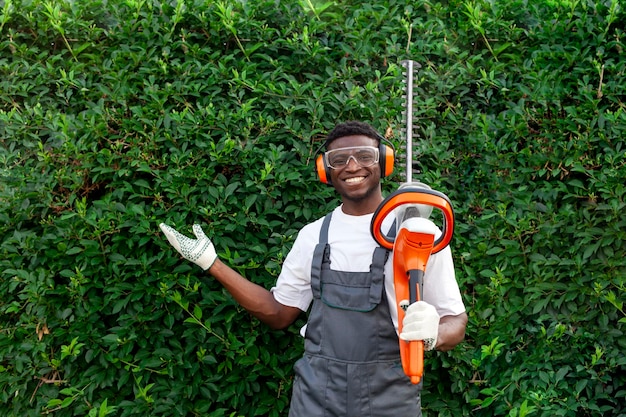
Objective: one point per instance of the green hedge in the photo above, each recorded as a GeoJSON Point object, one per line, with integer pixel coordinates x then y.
{"type": "Point", "coordinates": [117, 115]}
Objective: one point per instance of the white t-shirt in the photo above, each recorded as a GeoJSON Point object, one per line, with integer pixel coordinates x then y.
{"type": "Point", "coordinates": [351, 250]}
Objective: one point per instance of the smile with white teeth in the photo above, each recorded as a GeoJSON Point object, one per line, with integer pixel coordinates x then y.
{"type": "Point", "coordinates": [354, 180]}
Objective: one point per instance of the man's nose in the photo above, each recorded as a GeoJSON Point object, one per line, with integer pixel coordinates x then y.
{"type": "Point", "coordinates": [349, 162]}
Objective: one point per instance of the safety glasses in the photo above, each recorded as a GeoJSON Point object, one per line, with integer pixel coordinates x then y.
{"type": "Point", "coordinates": [365, 156]}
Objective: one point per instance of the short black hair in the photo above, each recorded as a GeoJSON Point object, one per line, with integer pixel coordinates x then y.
{"type": "Point", "coordinates": [351, 128]}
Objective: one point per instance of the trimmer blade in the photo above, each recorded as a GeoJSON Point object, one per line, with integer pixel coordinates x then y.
{"type": "Point", "coordinates": [410, 71]}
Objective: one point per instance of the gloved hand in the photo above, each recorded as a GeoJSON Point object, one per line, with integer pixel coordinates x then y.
{"type": "Point", "coordinates": [199, 251]}
{"type": "Point", "coordinates": [421, 322]}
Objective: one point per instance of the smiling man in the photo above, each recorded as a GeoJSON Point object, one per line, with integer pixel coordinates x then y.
{"type": "Point", "coordinates": [351, 365]}
{"type": "Point", "coordinates": [355, 172]}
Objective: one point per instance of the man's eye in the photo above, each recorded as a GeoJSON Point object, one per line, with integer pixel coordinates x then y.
{"type": "Point", "coordinates": [339, 159]}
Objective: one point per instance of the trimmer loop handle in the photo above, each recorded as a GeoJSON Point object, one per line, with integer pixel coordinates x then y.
{"type": "Point", "coordinates": [414, 195]}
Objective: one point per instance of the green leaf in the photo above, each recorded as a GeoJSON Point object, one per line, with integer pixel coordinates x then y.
{"type": "Point", "coordinates": [197, 312]}
{"type": "Point", "coordinates": [73, 251]}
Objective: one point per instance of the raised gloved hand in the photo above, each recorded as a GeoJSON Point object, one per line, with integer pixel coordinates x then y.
{"type": "Point", "coordinates": [199, 251]}
{"type": "Point", "coordinates": [421, 322]}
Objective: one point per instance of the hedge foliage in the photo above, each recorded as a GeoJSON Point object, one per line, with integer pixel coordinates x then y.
{"type": "Point", "coordinates": [117, 115]}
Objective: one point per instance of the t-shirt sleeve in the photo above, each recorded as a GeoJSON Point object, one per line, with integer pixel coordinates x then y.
{"type": "Point", "coordinates": [440, 286]}
{"type": "Point", "coordinates": [293, 286]}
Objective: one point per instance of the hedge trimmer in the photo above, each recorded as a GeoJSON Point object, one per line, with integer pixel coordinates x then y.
{"type": "Point", "coordinates": [416, 236]}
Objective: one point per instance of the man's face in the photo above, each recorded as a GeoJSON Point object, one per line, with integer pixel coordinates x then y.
{"type": "Point", "coordinates": [355, 183]}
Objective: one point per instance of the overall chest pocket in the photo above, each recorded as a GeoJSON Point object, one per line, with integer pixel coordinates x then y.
{"type": "Point", "coordinates": [354, 291]}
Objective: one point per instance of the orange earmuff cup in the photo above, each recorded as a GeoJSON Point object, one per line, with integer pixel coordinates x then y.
{"type": "Point", "coordinates": [322, 170]}
{"type": "Point", "coordinates": [386, 157]}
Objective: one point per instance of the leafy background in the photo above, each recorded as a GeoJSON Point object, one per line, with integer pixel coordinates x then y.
{"type": "Point", "coordinates": [117, 115]}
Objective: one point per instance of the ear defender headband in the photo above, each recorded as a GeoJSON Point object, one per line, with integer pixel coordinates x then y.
{"type": "Point", "coordinates": [386, 158]}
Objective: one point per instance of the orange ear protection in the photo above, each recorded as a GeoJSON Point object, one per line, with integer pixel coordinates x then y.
{"type": "Point", "coordinates": [386, 158]}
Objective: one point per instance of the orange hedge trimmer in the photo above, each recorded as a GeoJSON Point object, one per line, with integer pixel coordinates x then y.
{"type": "Point", "coordinates": [415, 239]}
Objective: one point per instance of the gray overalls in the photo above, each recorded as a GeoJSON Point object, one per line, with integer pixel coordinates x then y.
{"type": "Point", "coordinates": [351, 365]}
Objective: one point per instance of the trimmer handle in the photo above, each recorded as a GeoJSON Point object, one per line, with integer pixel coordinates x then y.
{"type": "Point", "coordinates": [414, 195]}
{"type": "Point", "coordinates": [412, 247]}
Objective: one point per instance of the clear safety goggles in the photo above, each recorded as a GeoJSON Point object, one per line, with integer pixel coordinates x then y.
{"type": "Point", "coordinates": [365, 156]}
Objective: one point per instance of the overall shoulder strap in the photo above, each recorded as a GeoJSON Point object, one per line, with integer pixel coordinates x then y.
{"type": "Point", "coordinates": [321, 256]}
{"type": "Point", "coordinates": [379, 259]}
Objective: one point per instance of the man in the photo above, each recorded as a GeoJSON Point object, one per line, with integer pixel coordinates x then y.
{"type": "Point", "coordinates": [351, 365]}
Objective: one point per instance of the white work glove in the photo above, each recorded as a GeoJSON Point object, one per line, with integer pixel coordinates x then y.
{"type": "Point", "coordinates": [199, 251]}
{"type": "Point", "coordinates": [421, 322]}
